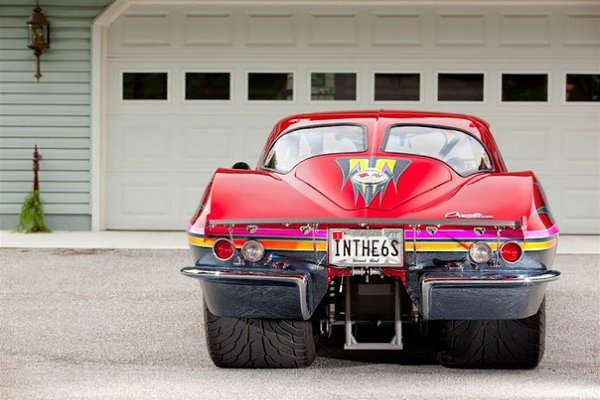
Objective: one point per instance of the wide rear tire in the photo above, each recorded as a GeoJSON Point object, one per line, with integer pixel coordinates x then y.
{"type": "Point", "coordinates": [259, 343]}
{"type": "Point", "coordinates": [498, 344]}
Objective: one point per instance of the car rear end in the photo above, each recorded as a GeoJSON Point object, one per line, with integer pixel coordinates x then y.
{"type": "Point", "coordinates": [369, 225]}
{"type": "Point", "coordinates": [392, 271]}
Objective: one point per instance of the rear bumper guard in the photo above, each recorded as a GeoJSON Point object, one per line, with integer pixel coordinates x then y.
{"type": "Point", "coordinates": [500, 296]}
{"type": "Point", "coordinates": [245, 293]}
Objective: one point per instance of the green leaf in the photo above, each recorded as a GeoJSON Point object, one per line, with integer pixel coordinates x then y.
{"type": "Point", "coordinates": [31, 219]}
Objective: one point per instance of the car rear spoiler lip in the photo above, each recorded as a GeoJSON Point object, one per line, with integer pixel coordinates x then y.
{"type": "Point", "coordinates": [475, 222]}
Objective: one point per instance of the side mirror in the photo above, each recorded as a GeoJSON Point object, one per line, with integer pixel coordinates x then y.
{"type": "Point", "coordinates": [241, 165]}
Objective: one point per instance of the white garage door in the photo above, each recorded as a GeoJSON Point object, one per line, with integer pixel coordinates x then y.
{"type": "Point", "coordinates": [195, 88]}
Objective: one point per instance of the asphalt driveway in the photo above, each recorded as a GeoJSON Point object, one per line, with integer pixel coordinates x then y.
{"type": "Point", "coordinates": [123, 324]}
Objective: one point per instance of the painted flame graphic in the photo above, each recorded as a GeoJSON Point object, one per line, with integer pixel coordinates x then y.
{"type": "Point", "coordinates": [352, 167]}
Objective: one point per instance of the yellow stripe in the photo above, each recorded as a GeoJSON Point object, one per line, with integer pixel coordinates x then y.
{"type": "Point", "coordinates": [464, 246]}
{"type": "Point", "coordinates": [269, 244]}
{"type": "Point", "coordinates": [408, 245]}
{"type": "Point", "coordinates": [532, 246]}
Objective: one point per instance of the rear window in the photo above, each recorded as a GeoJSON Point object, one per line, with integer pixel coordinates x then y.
{"type": "Point", "coordinates": [461, 151]}
{"type": "Point", "coordinates": [298, 145]}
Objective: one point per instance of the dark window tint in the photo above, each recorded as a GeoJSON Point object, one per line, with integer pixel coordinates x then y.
{"type": "Point", "coordinates": [270, 86]}
{"type": "Point", "coordinates": [460, 87]}
{"type": "Point", "coordinates": [524, 87]}
{"type": "Point", "coordinates": [332, 86]}
{"type": "Point", "coordinates": [395, 87]}
{"type": "Point", "coordinates": [583, 87]}
{"type": "Point", "coordinates": [207, 86]}
{"type": "Point", "coordinates": [145, 86]}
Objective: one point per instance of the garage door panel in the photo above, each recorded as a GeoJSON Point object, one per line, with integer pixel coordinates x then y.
{"type": "Point", "coordinates": [271, 29]}
{"type": "Point", "coordinates": [149, 200]}
{"type": "Point", "coordinates": [526, 146]}
{"type": "Point", "coordinates": [525, 29]}
{"type": "Point", "coordinates": [139, 194]}
{"type": "Point", "coordinates": [528, 149]}
{"type": "Point", "coordinates": [581, 203]}
{"type": "Point", "coordinates": [197, 144]}
{"type": "Point", "coordinates": [397, 29]}
{"type": "Point", "coordinates": [157, 202]}
{"type": "Point", "coordinates": [581, 210]}
{"type": "Point", "coordinates": [333, 29]}
{"type": "Point", "coordinates": [581, 151]}
{"type": "Point", "coordinates": [147, 144]}
{"type": "Point", "coordinates": [460, 29]}
{"type": "Point", "coordinates": [139, 148]}
{"type": "Point", "coordinates": [582, 29]}
{"type": "Point", "coordinates": [146, 30]}
{"type": "Point", "coordinates": [208, 29]}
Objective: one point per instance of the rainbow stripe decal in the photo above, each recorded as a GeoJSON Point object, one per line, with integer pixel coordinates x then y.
{"type": "Point", "coordinates": [441, 241]}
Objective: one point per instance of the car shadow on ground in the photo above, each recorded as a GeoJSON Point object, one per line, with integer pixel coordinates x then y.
{"type": "Point", "coordinates": [417, 351]}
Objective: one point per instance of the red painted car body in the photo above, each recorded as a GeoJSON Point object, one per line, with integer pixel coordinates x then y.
{"type": "Point", "coordinates": [472, 246]}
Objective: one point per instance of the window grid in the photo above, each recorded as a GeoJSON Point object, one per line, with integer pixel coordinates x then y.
{"type": "Point", "coordinates": [515, 87]}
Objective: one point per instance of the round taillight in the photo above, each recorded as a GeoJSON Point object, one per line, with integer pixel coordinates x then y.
{"type": "Point", "coordinates": [253, 251]}
{"type": "Point", "coordinates": [480, 252]}
{"type": "Point", "coordinates": [511, 252]}
{"type": "Point", "coordinates": [223, 249]}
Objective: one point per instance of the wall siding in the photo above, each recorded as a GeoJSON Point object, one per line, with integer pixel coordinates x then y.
{"type": "Point", "coordinates": [54, 113]}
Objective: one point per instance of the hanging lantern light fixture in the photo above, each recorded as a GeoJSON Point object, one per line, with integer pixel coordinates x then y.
{"type": "Point", "coordinates": [39, 36]}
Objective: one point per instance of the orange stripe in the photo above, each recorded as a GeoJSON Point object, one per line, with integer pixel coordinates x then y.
{"type": "Point", "coordinates": [269, 244]}
{"type": "Point", "coordinates": [408, 245]}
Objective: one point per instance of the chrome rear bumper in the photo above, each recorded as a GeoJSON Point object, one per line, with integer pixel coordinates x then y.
{"type": "Point", "coordinates": [500, 296]}
{"type": "Point", "coordinates": [258, 293]}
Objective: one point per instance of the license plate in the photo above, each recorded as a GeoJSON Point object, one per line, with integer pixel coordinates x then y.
{"type": "Point", "coordinates": [366, 247]}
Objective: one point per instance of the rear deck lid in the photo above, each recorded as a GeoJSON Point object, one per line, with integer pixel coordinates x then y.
{"type": "Point", "coordinates": [380, 183]}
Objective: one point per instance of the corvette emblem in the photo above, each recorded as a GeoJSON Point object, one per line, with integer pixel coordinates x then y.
{"type": "Point", "coordinates": [370, 177]}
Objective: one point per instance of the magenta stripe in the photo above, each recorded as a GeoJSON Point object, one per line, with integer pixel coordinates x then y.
{"type": "Point", "coordinates": [409, 234]}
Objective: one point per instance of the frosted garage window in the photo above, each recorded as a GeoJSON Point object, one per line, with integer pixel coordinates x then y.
{"type": "Point", "coordinates": [583, 88]}
{"type": "Point", "coordinates": [525, 87]}
{"type": "Point", "coordinates": [397, 87]}
{"type": "Point", "coordinates": [332, 86]}
{"type": "Point", "coordinates": [460, 87]}
{"type": "Point", "coordinates": [207, 86]}
{"type": "Point", "coordinates": [145, 85]}
{"type": "Point", "coordinates": [270, 86]}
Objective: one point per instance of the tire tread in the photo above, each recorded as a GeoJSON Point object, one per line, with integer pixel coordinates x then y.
{"type": "Point", "coordinates": [499, 344]}
{"type": "Point", "coordinates": [259, 343]}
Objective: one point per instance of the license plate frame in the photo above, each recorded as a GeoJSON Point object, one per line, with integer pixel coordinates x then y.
{"type": "Point", "coordinates": [336, 257]}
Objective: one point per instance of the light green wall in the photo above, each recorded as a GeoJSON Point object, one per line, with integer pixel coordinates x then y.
{"type": "Point", "coordinates": [54, 113]}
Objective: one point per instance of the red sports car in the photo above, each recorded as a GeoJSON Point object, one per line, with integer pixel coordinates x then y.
{"type": "Point", "coordinates": [362, 225]}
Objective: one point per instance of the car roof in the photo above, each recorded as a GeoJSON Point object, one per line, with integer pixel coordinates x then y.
{"type": "Point", "coordinates": [475, 126]}
{"type": "Point", "coordinates": [381, 113]}
{"type": "Point", "coordinates": [446, 119]}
